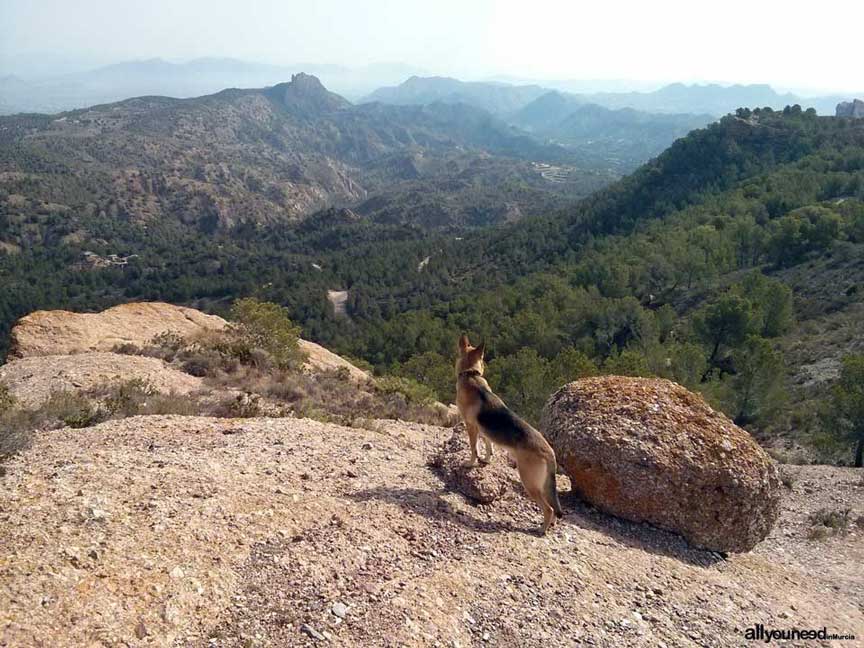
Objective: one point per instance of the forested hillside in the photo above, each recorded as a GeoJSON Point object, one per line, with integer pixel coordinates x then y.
{"type": "Point", "coordinates": [275, 155]}
{"type": "Point", "coordinates": [733, 263]}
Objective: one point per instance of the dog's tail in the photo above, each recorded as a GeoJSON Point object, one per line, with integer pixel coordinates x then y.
{"type": "Point", "coordinates": [552, 489]}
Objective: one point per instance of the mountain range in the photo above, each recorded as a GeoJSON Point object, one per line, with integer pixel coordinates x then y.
{"type": "Point", "coordinates": [711, 99]}
{"type": "Point", "coordinates": [194, 78]}
{"type": "Point", "coordinates": [279, 154]}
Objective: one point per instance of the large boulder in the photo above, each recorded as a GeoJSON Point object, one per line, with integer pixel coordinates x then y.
{"type": "Point", "coordinates": [320, 359]}
{"type": "Point", "coordinates": [649, 450]}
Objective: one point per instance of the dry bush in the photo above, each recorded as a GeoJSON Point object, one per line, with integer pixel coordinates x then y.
{"type": "Point", "coordinates": [7, 401]}
{"type": "Point", "coordinates": [258, 355]}
{"type": "Point", "coordinates": [828, 522]}
{"type": "Point", "coordinates": [61, 409]}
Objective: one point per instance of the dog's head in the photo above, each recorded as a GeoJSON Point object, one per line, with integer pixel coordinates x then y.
{"type": "Point", "coordinates": [470, 357]}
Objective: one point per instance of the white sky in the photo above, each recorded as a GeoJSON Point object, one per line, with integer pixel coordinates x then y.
{"type": "Point", "coordinates": [803, 45]}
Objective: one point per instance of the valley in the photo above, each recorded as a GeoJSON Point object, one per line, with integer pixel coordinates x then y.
{"type": "Point", "coordinates": [388, 229]}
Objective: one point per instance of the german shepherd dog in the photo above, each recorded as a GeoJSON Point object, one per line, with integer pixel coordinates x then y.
{"type": "Point", "coordinates": [487, 417]}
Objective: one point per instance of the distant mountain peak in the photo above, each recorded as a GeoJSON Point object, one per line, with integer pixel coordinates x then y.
{"type": "Point", "coordinates": [306, 95]}
{"type": "Point", "coordinates": [854, 109]}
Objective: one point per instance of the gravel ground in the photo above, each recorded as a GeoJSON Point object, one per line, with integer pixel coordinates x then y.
{"type": "Point", "coordinates": [173, 531]}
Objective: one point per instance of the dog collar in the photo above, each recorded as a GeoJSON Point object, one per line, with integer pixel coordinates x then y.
{"type": "Point", "coordinates": [470, 372]}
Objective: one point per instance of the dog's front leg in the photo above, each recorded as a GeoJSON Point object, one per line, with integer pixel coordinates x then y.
{"type": "Point", "coordinates": [473, 433]}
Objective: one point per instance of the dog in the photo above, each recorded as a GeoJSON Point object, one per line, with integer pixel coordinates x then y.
{"type": "Point", "coordinates": [488, 418]}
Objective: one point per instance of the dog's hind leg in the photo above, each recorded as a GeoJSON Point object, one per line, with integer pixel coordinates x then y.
{"type": "Point", "coordinates": [487, 454]}
{"type": "Point", "coordinates": [533, 472]}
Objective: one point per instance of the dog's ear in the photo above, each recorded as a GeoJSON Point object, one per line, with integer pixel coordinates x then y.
{"type": "Point", "coordinates": [481, 349]}
{"type": "Point", "coordinates": [464, 344]}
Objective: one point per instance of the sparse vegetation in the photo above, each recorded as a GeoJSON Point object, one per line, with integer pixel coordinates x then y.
{"type": "Point", "coordinates": [7, 401]}
{"type": "Point", "coordinates": [239, 362]}
{"type": "Point", "coordinates": [827, 522]}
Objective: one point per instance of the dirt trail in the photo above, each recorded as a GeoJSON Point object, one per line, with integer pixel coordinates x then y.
{"type": "Point", "coordinates": [161, 531]}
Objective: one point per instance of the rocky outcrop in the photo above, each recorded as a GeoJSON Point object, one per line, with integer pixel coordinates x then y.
{"type": "Point", "coordinates": [854, 109]}
{"type": "Point", "coordinates": [482, 483]}
{"type": "Point", "coordinates": [32, 380]}
{"type": "Point", "coordinates": [305, 96]}
{"type": "Point", "coordinates": [60, 332]}
{"type": "Point", "coordinates": [65, 333]}
{"type": "Point", "coordinates": [649, 450]}
{"type": "Point", "coordinates": [320, 359]}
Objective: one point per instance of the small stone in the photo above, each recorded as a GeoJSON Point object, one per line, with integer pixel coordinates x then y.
{"type": "Point", "coordinates": [312, 632]}
{"type": "Point", "coordinates": [367, 446]}
{"type": "Point", "coordinates": [177, 572]}
{"type": "Point", "coordinates": [141, 630]}
{"type": "Point", "coordinates": [169, 614]}
{"type": "Point", "coordinates": [339, 609]}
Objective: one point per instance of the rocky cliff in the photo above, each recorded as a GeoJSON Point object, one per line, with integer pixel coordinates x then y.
{"type": "Point", "coordinates": [854, 109]}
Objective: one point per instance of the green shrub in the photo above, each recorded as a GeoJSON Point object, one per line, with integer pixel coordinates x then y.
{"type": "Point", "coordinates": [413, 392]}
{"type": "Point", "coordinates": [826, 522]}
{"type": "Point", "coordinates": [433, 370]}
{"type": "Point", "coordinates": [266, 327]}
{"type": "Point", "coordinates": [126, 398]}
{"type": "Point", "coordinates": [627, 363]}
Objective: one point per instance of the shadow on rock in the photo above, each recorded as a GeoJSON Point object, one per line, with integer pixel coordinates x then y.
{"type": "Point", "coordinates": [432, 506]}
{"type": "Point", "coordinates": [579, 514]}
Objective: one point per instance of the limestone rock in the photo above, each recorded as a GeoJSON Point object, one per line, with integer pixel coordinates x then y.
{"type": "Point", "coordinates": [321, 359]}
{"type": "Point", "coordinates": [649, 450]}
{"type": "Point", "coordinates": [60, 332]}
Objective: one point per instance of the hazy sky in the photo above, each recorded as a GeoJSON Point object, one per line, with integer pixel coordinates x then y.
{"type": "Point", "coordinates": [786, 43]}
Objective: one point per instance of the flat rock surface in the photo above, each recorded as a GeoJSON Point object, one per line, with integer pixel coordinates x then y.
{"type": "Point", "coordinates": [31, 380]}
{"type": "Point", "coordinates": [183, 531]}
{"type": "Point", "coordinates": [320, 359]}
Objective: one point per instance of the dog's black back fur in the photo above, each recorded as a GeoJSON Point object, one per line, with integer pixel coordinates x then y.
{"type": "Point", "coordinates": [500, 424]}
